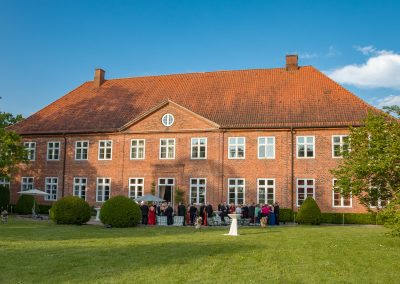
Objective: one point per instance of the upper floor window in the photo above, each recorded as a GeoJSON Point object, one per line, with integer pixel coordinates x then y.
{"type": "Point", "coordinates": [266, 191]}
{"type": "Point", "coordinates": [305, 188]}
{"type": "Point", "coordinates": [80, 185]}
{"type": "Point", "coordinates": [81, 150]}
{"type": "Point", "coordinates": [105, 149]}
{"type": "Point", "coordinates": [266, 147]}
{"type": "Point", "coordinates": [236, 147]}
{"type": "Point", "coordinates": [305, 147]}
{"type": "Point", "coordinates": [168, 119]}
{"type": "Point", "coordinates": [136, 187]}
{"type": "Point", "coordinates": [236, 190]}
{"type": "Point", "coordinates": [137, 149]}
{"type": "Point", "coordinates": [30, 147]}
{"type": "Point", "coordinates": [340, 200]}
{"type": "Point", "coordinates": [51, 188]}
{"type": "Point", "coordinates": [53, 150]}
{"type": "Point", "coordinates": [5, 182]}
{"type": "Point", "coordinates": [103, 189]}
{"type": "Point", "coordinates": [26, 183]}
{"type": "Point", "coordinates": [199, 148]}
{"type": "Point", "coordinates": [167, 148]}
{"type": "Point", "coordinates": [340, 145]}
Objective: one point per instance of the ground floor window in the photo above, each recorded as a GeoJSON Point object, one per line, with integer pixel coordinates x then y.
{"type": "Point", "coordinates": [136, 186]}
{"type": "Point", "coordinates": [5, 182]}
{"type": "Point", "coordinates": [305, 188]}
{"type": "Point", "coordinates": [340, 200]}
{"type": "Point", "coordinates": [80, 184]}
{"type": "Point", "coordinates": [51, 187]}
{"type": "Point", "coordinates": [166, 189]}
{"type": "Point", "coordinates": [236, 190]}
{"type": "Point", "coordinates": [197, 190]}
{"type": "Point", "coordinates": [26, 183]}
{"type": "Point", "coordinates": [266, 191]}
{"type": "Point", "coordinates": [103, 189]}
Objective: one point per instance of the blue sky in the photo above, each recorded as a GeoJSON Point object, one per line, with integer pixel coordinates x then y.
{"type": "Point", "coordinates": [48, 48]}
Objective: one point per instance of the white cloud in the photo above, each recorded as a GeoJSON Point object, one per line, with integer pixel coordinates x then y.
{"type": "Point", "coordinates": [382, 70]}
{"type": "Point", "coordinates": [388, 101]}
{"type": "Point", "coordinates": [307, 55]}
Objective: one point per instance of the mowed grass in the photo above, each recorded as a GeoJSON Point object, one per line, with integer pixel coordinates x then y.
{"type": "Point", "coordinates": [41, 252]}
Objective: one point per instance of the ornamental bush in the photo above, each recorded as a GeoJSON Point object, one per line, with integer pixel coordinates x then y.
{"type": "Point", "coordinates": [309, 213]}
{"type": "Point", "coordinates": [70, 210]}
{"type": "Point", "coordinates": [4, 197]}
{"type": "Point", "coordinates": [285, 215]}
{"type": "Point", "coordinates": [121, 212]}
{"type": "Point", "coordinates": [25, 204]}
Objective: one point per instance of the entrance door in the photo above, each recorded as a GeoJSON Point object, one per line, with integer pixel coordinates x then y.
{"type": "Point", "coordinates": [166, 189]}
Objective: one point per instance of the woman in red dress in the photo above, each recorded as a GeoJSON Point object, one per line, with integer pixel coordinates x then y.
{"type": "Point", "coordinates": [152, 216]}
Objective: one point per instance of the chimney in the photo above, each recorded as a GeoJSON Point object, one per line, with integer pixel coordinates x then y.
{"type": "Point", "coordinates": [98, 77]}
{"type": "Point", "coordinates": [292, 62]}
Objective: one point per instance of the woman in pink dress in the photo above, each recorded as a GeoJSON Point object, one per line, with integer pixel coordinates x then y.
{"type": "Point", "coordinates": [152, 216]}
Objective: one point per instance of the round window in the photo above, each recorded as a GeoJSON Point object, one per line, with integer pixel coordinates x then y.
{"type": "Point", "coordinates": [168, 119]}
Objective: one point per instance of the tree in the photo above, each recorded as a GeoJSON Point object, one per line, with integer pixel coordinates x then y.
{"type": "Point", "coordinates": [12, 151]}
{"type": "Point", "coordinates": [371, 169]}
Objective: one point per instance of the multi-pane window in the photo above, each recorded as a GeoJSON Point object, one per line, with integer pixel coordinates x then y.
{"type": "Point", "coordinates": [236, 147]}
{"type": "Point", "coordinates": [136, 186]}
{"type": "Point", "coordinates": [305, 188]}
{"type": "Point", "coordinates": [137, 149]}
{"type": "Point", "coordinates": [105, 149]}
{"type": "Point", "coordinates": [81, 150]}
{"type": "Point", "coordinates": [266, 147]}
{"type": "Point", "coordinates": [51, 187]}
{"type": "Point", "coordinates": [30, 148]}
{"type": "Point", "coordinates": [236, 190]}
{"type": "Point", "coordinates": [5, 182]}
{"type": "Point", "coordinates": [26, 183]}
{"type": "Point", "coordinates": [266, 191]}
{"type": "Point", "coordinates": [340, 145]}
{"type": "Point", "coordinates": [167, 148]}
{"type": "Point", "coordinates": [197, 190]}
{"type": "Point", "coordinates": [103, 189]}
{"type": "Point", "coordinates": [199, 148]}
{"type": "Point", "coordinates": [53, 150]}
{"type": "Point", "coordinates": [305, 147]}
{"type": "Point", "coordinates": [340, 200]}
{"type": "Point", "coordinates": [80, 186]}
{"type": "Point", "coordinates": [376, 197]}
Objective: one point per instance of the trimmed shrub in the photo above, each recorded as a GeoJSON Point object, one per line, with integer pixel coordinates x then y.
{"type": "Point", "coordinates": [120, 212]}
{"type": "Point", "coordinates": [285, 215]}
{"type": "Point", "coordinates": [44, 208]}
{"type": "Point", "coordinates": [309, 213]}
{"type": "Point", "coordinates": [4, 197]}
{"type": "Point", "coordinates": [25, 204]}
{"type": "Point", "coordinates": [70, 210]}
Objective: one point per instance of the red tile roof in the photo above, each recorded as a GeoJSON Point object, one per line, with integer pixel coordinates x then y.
{"type": "Point", "coordinates": [259, 98]}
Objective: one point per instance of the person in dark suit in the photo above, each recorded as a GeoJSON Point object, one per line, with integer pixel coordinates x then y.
{"type": "Point", "coordinates": [252, 210]}
{"type": "Point", "coordinates": [276, 212]}
{"type": "Point", "coordinates": [209, 210]}
{"type": "Point", "coordinates": [182, 212]}
{"type": "Point", "coordinates": [169, 211]}
{"type": "Point", "coordinates": [193, 213]}
{"type": "Point", "coordinates": [245, 211]}
{"type": "Point", "coordinates": [145, 212]}
{"type": "Point", "coordinates": [202, 209]}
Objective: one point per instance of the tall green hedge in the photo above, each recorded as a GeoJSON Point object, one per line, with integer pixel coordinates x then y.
{"type": "Point", "coordinates": [309, 213]}
{"type": "Point", "coordinates": [120, 211]}
{"type": "Point", "coordinates": [4, 197]}
{"type": "Point", "coordinates": [70, 210]}
{"type": "Point", "coordinates": [25, 204]}
{"type": "Point", "coordinates": [285, 215]}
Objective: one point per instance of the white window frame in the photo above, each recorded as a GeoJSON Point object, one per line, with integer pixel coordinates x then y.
{"type": "Point", "coordinates": [26, 184]}
{"type": "Point", "coordinates": [5, 182]}
{"type": "Point", "coordinates": [80, 184]}
{"type": "Point", "coordinates": [266, 145]}
{"type": "Point", "coordinates": [30, 147]}
{"type": "Point", "coordinates": [197, 187]}
{"type": "Point", "coordinates": [341, 143]}
{"type": "Point", "coordinates": [236, 190]}
{"type": "Point", "coordinates": [137, 147]}
{"type": "Point", "coordinates": [105, 148]}
{"type": "Point", "coordinates": [133, 187]}
{"type": "Point", "coordinates": [81, 148]}
{"type": "Point", "coordinates": [236, 145]}
{"type": "Point", "coordinates": [305, 146]}
{"type": "Point", "coordinates": [167, 149]}
{"type": "Point", "coordinates": [53, 150]}
{"type": "Point", "coordinates": [168, 119]}
{"type": "Point", "coordinates": [265, 188]}
{"type": "Point", "coordinates": [49, 181]}
{"type": "Point", "coordinates": [297, 189]}
{"type": "Point", "coordinates": [341, 198]}
{"type": "Point", "coordinates": [198, 146]}
{"type": "Point", "coordinates": [102, 190]}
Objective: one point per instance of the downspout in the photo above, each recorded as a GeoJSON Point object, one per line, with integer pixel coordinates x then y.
{"type": "Point", "coordinates": [222, 165]}
{"type": "Point", "coordinates": [292, 165]}
{"type": "Point", "coordinates": [64, 165]}
{"type": "Point", "coordinates": [123, 163]}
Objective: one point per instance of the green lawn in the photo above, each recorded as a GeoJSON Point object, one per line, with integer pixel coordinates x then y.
{"type": "Point", "coordinates": [41, 252]}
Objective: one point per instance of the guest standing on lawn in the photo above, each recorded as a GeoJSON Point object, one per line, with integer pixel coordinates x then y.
{"type": "Point", "coordinates": [193, 213]}
{"type": "Point", "coordinates": [209, 210]}
{"type": "Point", "coordinates": [145, 212]}
{"type": "Point", "coordinates": [257, 214]}
{"type": "Point", "coordinates": [276, 212]}
{"type": "Point", "coordinates": [152, 215]}
{"type": "Point", "coordinates": [252, 210]}
{"type": "Point", "coordinates": [182, 212]}
{"type": "Point", "coordinates": [202, 211]}
{"type": "Point", "coordinates": [169, 212]}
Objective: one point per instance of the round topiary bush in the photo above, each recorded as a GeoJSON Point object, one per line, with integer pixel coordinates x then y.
{"type": "Point", "coordinates": [309, 213]}
{"type": "Point", "coordinates": [4, 197]}
{"type": "Point", "coordinates": [25, 204]}
{"type": "Point", "coordinates": [70, 210]}
{"type": "Point", "coordinates": [121, 212]}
